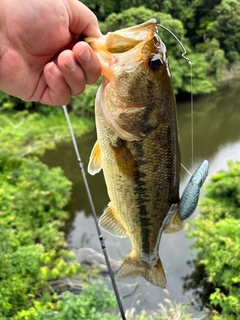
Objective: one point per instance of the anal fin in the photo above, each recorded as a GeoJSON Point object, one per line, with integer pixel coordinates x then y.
{"type": "Point", "coordinates": [110, 222]}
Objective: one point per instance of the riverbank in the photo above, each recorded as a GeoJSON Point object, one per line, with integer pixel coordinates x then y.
{"type": "Point", "coordinates": [230, 74]}
{"type": "Point", "coordinates": [24, 133]}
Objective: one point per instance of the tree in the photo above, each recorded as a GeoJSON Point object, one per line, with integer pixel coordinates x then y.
{"type": "Point", "coordinates": [226, 28]}
{"type": "Point", "coordinates": [102, 8]}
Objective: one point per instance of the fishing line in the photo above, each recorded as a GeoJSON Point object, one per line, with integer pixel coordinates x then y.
{"type": "Point", "coordinates": [100, 236]}
{"type": "Point", "coordinates": [186, 169]}
{"type": "Point", "coordinates": [192, 120]}
{"type": "Point", "coordinates": [179, 42]}
{"type": "Point", "coordinates": [190, 63]}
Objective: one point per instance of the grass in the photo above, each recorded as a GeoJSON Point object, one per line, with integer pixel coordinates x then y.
{"type": "Point", "coordinates": [166, 311]}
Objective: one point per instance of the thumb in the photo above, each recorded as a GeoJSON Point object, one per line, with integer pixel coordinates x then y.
{"type": "Point", "coordinates": [82, 20]}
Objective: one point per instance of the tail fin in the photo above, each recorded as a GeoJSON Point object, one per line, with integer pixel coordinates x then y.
{"type": "Point", "coordinates": [133, 267]}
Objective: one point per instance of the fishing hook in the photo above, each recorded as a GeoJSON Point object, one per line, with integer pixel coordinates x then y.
{"type": "Point", "coordinates": [100, 236]}
{"type": "Point", "coordinates": [180, 43]}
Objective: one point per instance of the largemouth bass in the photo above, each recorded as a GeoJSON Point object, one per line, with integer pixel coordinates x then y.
{"type": "Point", "coordinates": [138, 146]}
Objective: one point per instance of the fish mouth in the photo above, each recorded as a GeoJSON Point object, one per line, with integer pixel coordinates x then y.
{"type": "Point", "coordinates": [120, 46]}
{"type": "Point", "coordinates": [125, 39]}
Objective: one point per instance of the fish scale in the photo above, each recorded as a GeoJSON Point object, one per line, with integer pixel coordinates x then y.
{"type": "Point", "coordinates": [138, 147]}
{"type": "Point", "coordinates": [158, 189]}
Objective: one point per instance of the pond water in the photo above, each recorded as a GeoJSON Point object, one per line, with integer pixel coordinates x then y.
{"type": "Point", "coordinates": [216, 138]}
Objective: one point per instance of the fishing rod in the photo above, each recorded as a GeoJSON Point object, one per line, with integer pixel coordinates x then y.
{"type": "Point", "coordinates": [100, 236]}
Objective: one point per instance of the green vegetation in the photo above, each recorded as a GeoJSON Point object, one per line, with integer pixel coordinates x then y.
{"type": "Point", "coordinates": [93, 302]}
{"type": "Point", "coordinates": [201, 26]}
{"type": "Point", "coordinates": [33, 250]}
{"type": "Point", "coordinates": [181, 71]}
{"type": "Point", "coordinates": [224, 26]}
{"type": "Point", "coordinates": [208, 29]}
{"type": "Point", "coordinates": [34, 262]}
{"type": "Point", "coordinates": [35, 266]}
{"type": "Point", "coordinates": [217, 240]}
{"type": "Point", "coordinates": [202, 20]}
{"type": "Point", "coordinates": [23, 133]}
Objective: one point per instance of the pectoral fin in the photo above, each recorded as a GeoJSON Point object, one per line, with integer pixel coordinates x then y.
{"type": "Point", "coordinates": [94, 165]}
{"type": "Point", "coordinates": [110, 222]}
{"type": "Point", "coordinates": [124, 160]}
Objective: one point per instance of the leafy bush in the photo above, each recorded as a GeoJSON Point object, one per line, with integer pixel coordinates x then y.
{"type": "Point", "coordinates": [35, 265]}
{"type": "Point", "coordinates": [226, 22]}
{"type": "Point", "coordinates": [95, 302]}
{"type": "Point", "coordinates": [217, 239]}
{"type": "Point", "coordinates": [11, 103]}
{"type": "Point", "coordinates": [33, 250]}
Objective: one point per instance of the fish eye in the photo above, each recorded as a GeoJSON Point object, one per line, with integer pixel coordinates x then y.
{"type": "Point", "coordinates": [155, 63]}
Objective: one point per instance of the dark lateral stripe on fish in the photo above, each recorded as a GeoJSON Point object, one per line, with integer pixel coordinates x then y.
{"type": "Point", "coordinates": [145, 232]}
{"type": "Point", "coordinates": [169, 165]}
{"type": "Point", "coordinates": [141, 191]}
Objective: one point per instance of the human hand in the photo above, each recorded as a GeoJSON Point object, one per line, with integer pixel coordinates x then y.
{"type": "Point", "coordinates": [40, 56]}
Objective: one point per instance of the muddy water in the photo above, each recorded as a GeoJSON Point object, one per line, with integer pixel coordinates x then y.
{"type": "Point", "coordinates": [216, 137]}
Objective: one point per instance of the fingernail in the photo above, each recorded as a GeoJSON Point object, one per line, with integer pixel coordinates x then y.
{"type": "Point", "coordinates": [54, 70]}
{"type": "Point", "coordinates": [85, 54]}
{"type": "Point", "coordinates": [71, 64]}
